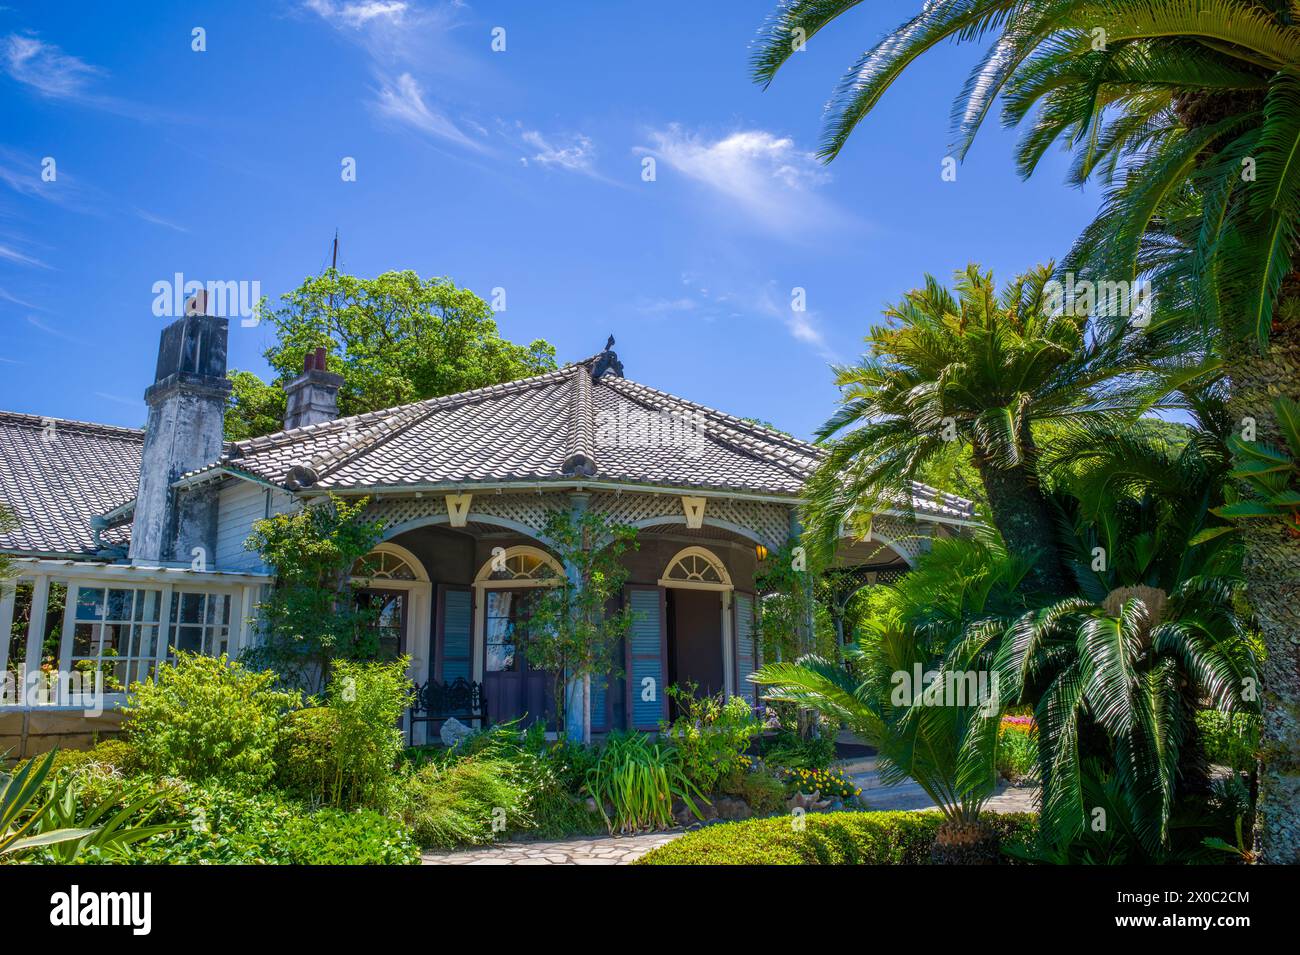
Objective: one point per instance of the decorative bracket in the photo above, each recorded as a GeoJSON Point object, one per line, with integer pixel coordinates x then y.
{"type": "Point", "coordinates": [694, 508]}
{"type": "Point", "coordinates": [458, 508]}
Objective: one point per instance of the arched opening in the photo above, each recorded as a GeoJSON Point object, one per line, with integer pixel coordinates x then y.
{"type": "Point", "coordinates": [394, 585]}
{"type": "Point", "coordinates": [508, 586]}
{"type": "Point", "coordinates": [698, 617]}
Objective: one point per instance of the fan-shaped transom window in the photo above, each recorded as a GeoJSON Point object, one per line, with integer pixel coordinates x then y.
{"type": "Point", "coordinates": [522, 567]}
{"type": "Point", "coordinates": [698, 566]}
{"type": "Point", "coordinates": [520, 564]}
{"type": "Point", "coordinates": [381, 565]}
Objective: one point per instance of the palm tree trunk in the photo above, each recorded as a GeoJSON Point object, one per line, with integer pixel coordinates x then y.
{"type": "Point", "coordinates": [1020, 512]}
{"type": "Point", "coordinates": [1272, 571]}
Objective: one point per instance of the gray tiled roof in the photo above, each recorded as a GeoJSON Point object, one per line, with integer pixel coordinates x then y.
{"type": "Point", "coordinates": [56, 479]}
{"type": "Point", "coordinates": [560, 426]}
{"type": "Point", "coordinates": [552, 427]}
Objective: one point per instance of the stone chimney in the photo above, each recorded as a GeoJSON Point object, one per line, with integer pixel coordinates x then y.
{"type": "Point", "coordinates": [187, 405]}
{"type": "Point", "coordinates": [313, 396]}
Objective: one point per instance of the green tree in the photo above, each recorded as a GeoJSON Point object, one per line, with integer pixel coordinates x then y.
{"type": "Point", "coordinates": [254, 407]}
{"type": "Point", "coordinates": [965, 368]}
{"type": "Point", "coordinates": [312, 617]}
{"type": "Point", "coordinates": [573, 634]}
{"type": "Point", "coordinates": [1189, 112]}
{"type": "Point", "coordinates": [395, 339]}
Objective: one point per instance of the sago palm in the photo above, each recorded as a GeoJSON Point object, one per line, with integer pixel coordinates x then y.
{"type": "Point", "coordinates": [1117, 673]}
{"type": "Point", "coordinates": [944, 745]}
{"type": "Point", "coordinates": [969, 367]}
{"type": "Point", "coordinates": [1189, 111]}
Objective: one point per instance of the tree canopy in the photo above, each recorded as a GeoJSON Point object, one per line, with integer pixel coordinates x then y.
{"type": "Point", "coordinates": [395, 339]}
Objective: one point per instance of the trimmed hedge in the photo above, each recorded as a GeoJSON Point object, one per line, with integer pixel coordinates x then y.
{"type": "Point", "coordinates": [837, 838]}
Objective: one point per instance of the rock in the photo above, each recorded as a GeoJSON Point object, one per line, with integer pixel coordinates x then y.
{"type": "Point", "coordinates": [732, 809]}
{"type": "Point", "coordinates": [808, 802]}
{"type": "Point", "coordinates": [453, 731]}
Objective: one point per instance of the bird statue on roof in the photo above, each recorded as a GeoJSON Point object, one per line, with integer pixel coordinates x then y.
{"type": "Point", "coordinates": [607, 361]}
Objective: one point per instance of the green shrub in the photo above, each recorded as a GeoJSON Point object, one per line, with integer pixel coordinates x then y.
{"type": "Point", "coordinates": [228, 826]}
{"type": "Point", "coordinates": [369, 700]}
{"type": "Point", "coordinates": [838, 838]}
{"type": "Point", "coordinates": [764, 793]}
{"type": "Point", "coordinates": [344, 754]}
{"type": "Point", "coordinates": [711, 733]}
{"type": "Point", "coordinates": [640, 779]}
{"type": "Point", "coordinates": [468, 802]}
{"type": "Point", "coordinates": [115, 754]}
{"type": "Point", "coordinates": [1017, 749]}
{"type": "Point", "coordinates": [348, 837]}
{"type": "Point", "coordinates": [305, 759]}
{"type": "Point", "coordinates": [208, 718]}
{"type": "Point", "coordinates": [789, 751]}
{"type": "Point", "coordinates": [1230, 739]}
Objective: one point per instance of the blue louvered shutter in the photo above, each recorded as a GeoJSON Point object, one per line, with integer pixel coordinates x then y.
{"type": "Point", "coordinates": [599, 695]}
{"type": "Point", "coordinates": [456, 614]}
{"type": "Point", "coordinates": [746, 652]}
{"type": "Point", "coordinates": [646, 674]}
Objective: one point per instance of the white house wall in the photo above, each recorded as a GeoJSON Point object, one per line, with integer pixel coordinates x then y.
{"type": "Point", "coordinates": [242, 504]}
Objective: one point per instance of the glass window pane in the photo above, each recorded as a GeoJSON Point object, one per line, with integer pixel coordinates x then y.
{"type": "Point", "coordinates": [83, 639]}
{"type": "Point", "coordinates": [192, 608]}
{"type": "Point", "coordinates": [90, 603]}
{"type": "Point", "coordinates": [119, 604]}
{"type": "Point", "coordinates": [189, 639]}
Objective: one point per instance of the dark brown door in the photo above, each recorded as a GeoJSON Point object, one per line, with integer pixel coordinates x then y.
{"type": "Point", "coordinates": [695, 639]}
{"type": "Point", "coordinates": [512, 688]}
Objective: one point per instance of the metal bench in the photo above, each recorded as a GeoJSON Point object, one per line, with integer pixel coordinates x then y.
{"type": "Point", "coordinates": [437, 702]}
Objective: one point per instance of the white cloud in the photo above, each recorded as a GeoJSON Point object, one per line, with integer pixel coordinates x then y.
{"type": "Point", "coordinates": [153, 219]}
{"type": "Point", "coordinates": [11, 254]}
{"type": "Point", "coordinates": [35, 322]}
{"type": "Point", "coordinates": [766, 177]}
{"type": "Point", "coordinates": [576, 155]}
{"type": "Point", "coordinates": [45, 67]}
{"type": "Point", "coordinates": [355, 15]}
{"type": "Point", "coordinates": [403, 100]}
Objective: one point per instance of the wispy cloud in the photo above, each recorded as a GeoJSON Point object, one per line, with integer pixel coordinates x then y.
{"type": "Point", "coordinates": [403, 101]}
{"type": "Point", "coordinates": [45, 67]}
{"type": "Point", "coordinates": [354, 15]}
{"type": "Point", "coordinates": [48, 329]}
{"type": "Point", "coordinates": [576, 155]}
{"type": "Point", "coordinates": [6, 296]}
{"type": "Point", "coordinates": [53, 74]}
{"type": "Point", "coordinates": [158, 220]}
{"type": "Point", "coordinates": [735, 297]}
{"type": "Point", "coordinates": [764, 176]}
{"type": "Point", "coordinates": [10, 254]}
{"type": "Point", "coordinates": [405, 42]}
{"type": "Point", "coordinates": [22, 172]}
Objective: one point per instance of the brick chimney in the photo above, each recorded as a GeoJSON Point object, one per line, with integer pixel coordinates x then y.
{"type": "Point", "coordinates": [187, 405]}
{"type": "Point", "coordinates": [313, 396]}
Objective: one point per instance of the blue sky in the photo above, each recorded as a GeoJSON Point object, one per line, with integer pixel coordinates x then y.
{"type": "Point", "coordinates": [519, 170]}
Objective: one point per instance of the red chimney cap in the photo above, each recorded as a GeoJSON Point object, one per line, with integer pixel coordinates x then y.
{"type": "Point", "coordinates": [314, 360]}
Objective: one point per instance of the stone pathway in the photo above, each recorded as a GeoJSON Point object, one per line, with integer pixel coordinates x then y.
{"type": "Point", "coordinates": [607, 850]}
{"type": "Point", "coordinates": [908, 795]}
{"type": "Point", "coordinates": [620, 850]}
